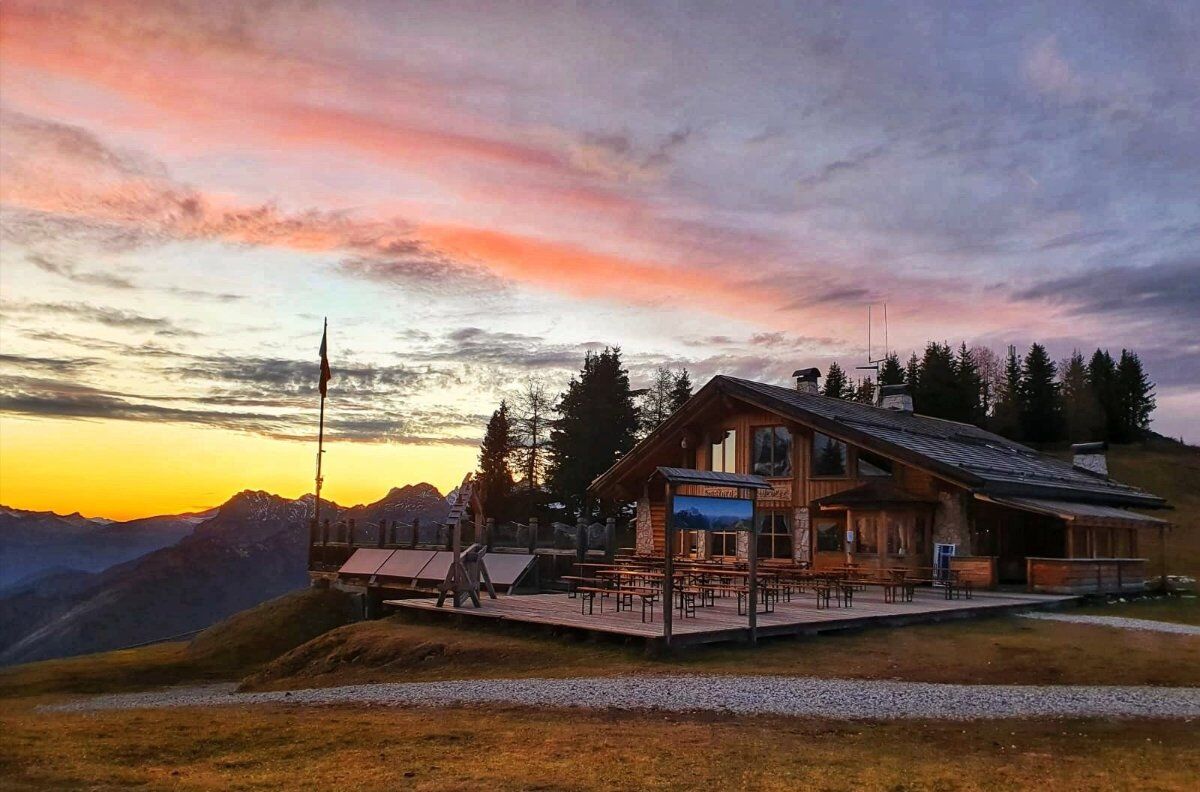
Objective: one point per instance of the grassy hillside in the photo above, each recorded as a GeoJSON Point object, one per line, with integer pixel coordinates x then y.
{"type": "Point", "coordinates": [226, 651]}
{"type": "Point", "coordinates": [1171, 470]}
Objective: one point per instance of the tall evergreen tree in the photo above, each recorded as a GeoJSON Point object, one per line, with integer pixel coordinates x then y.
{"type": "Point", "coordinates": [597, 423]}
{"type": "Point", "coordinates": [912, 374]}
{"type": "Point", "coordinates": [1102, 376]}
{"type": "Point", "coordinates": [655, 404]}
{"type": "Point", "coordinates": [1041, 408]}
{"type": "Point", "coordinates": [836, 384]}
{"type": "Point", "coordinates": [681, 389]}
{"type": "Point", "coordinates": [937, 387]}
{"type": "Point", "coordinates": [864, 393]}
{"type": "Point", "coordinates": [1006, 415]}
{"type": "Point", "coordinates": [1081, 411]}
{"type": "Point", "coordinates": [1135, 397]}
{"type": "Point", "coordinates": [495, 459]}
{"type": "Point", "coordinates": [891, 372]}
{"type": "Point", "coordinates": [969, 389]}
{"type": "Point", "coordinates": [532, 430]}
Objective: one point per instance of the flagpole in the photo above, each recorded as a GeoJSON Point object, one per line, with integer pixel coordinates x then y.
{"type": "Point", "coordinates": [321, 434]}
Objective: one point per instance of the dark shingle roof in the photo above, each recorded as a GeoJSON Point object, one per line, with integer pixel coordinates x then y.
{"type": "Point", "coordinates": [677, 475]}
{"type": "Point", "coordinates": [988, 461]}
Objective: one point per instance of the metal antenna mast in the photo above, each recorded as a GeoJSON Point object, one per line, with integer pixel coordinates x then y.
{"type": "Point", "coordinates": [872, 361]}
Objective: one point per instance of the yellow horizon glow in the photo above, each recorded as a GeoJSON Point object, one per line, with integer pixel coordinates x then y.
{"type": "Point", "coordinates": [124, 470]}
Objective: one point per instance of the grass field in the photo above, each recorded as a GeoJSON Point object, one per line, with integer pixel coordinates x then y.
{"type": "Point", "coordinates": [997, 650]}
{"type": "Point", "coordinates": [358, 748]}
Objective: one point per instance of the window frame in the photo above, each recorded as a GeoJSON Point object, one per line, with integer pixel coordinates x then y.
{"type": "Point", "coordinates": [778, 517]}
{"type": "Point", "coordinates": [812, 458]}
{"type": "Point", "coordinates": [873, 521]}
{"type": "Point", "coordinates": [787, 460]}
{"type": "Point", "coordinates": [728, 446]}
{"type": "Point", "coordinates": [839, 532]}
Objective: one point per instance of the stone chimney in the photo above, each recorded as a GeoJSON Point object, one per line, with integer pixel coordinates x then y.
{"type": "Point", "coordinates": [1091, 458]}
{"type": "Point", "coordinates": [806, 380]}
{"type": "Point", "coordinates": [895, 397]}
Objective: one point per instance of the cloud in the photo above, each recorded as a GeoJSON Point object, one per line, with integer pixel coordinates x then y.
{"type": "Point", "coordinates": [110, 317]}
{"type": "Point", "coordinates": [53, 365]}
{"type": "Point", "coordinates": [75, 275]}
{"type": "Point", "coordinates": [1169, 288]}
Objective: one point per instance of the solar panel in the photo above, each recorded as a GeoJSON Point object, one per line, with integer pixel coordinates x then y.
{"type": "Point", "coordinates": [437, 567]}
{"type": "Point", "coordinates": [505, 568]}
{"type": "Point", "coordinates": [365, 561]}
{"type": "Point", "coordinates": [406, 564]}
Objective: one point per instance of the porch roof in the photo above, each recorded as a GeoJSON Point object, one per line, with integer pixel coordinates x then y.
{"type": "Point", "coordinates": [873, 494]}
{"type": "Point", "coordinates": [1074, 512]}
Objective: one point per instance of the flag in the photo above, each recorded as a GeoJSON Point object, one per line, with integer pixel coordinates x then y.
{"type": "Point", "coordinates": [326, 375]}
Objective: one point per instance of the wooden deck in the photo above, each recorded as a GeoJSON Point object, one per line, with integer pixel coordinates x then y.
{"type": "Point", "coordinates": [721, 622]}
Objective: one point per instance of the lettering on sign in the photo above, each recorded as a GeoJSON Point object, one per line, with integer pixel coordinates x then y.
{"type": "Point", "coordinates": [719, 492]}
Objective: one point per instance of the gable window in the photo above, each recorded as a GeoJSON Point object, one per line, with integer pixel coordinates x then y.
{"type": "Point", "coordinates": [772, 454]}
{"type": "Point", "coordinates": [724, 453]}
{"type": "Point", "coordinates": [895, 536]}
{"type": "Point", "coordinates": [828, 456]}
{"type": "Point", "coordinates": [873, 465]}
{"type": "Point", "coordinates": [774, 535]}
{"type": "Point", "coordinates": [829, 536]}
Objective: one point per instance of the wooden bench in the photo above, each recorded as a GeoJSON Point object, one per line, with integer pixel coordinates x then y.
{"type": "Point", "coordinates": [625, 596]}
{"type": "Point", "coordinates": [587, 598]}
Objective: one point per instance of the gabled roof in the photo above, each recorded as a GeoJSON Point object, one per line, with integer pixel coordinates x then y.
{"type": "Point", "coordinates": [966, 455]}
{"type": "Point", "coordinates": [676, 475]}
{"type": "Point", "coordinates": [874, 493]}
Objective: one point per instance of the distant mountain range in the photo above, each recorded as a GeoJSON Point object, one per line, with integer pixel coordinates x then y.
{"type": "Point", "coordinates": [249, 549]}
{"type": "Point", "coordinates": [33, 543]}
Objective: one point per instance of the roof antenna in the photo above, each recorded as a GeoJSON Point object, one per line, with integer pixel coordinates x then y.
{"type": "Point", "coordinates": [872, 361]}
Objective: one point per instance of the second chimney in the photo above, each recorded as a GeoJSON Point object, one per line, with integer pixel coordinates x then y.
{"type": "Point", "coordinates": [895, 397]}
{"type": "Point", "coordinates": [806, 380]}
{"type": "Point", "coordinates": [1091, 458]}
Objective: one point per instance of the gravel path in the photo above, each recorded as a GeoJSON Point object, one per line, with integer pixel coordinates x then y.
{"type": "Point", "coordinates": [1120, 622]}
{"type": "Point", "coordinates": [797, 696]}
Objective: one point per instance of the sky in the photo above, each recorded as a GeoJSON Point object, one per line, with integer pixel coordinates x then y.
{"type": "Point", "coordinates": [477, 194]}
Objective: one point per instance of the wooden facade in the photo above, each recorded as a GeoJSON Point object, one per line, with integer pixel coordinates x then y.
{"type": "Point", "coordinates": [877, 508]}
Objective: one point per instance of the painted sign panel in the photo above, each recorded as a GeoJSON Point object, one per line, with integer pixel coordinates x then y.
{"type": "Point", "coordinates": [699, 513]}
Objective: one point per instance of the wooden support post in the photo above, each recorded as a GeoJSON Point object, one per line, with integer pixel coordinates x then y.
{"type": "Point", "coordinates": [1162, 548]}
{"type": "Point", "coordinates": [350, 528]}
{"type": "Point", "coordinates": [325, 532]}
{"type": "Point", "coordinates": [416, 531]}
{"type": "Point", "coordinates": [668, 604]}
{"type": "Point", "coordinates": [752, 553]}
{"type": "Point", "coordinates": [456, 564]}
{"type": "Point", "coordinates": [581, 540]}
{"type": "Point", "coordinates": [533, 532]}
{"type": "Point", "coordinates": [610, 538]}
{"type": "Point", "coordinates": [489, 530]}
{"type": "Point", "coordinates": [382, 531]}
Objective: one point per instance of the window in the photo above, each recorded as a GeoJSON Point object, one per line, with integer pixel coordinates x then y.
{"type": "Point", "coordinates": [921, 535]}
{"type": "Point", "coordinates": [896, 544]}
{"type": "Point", "coordinates": [774, 535]}
{"type": "Point", "coordinates": [828, 456]}
{"type": "Point", "coordinates": [724, 544]}
{"type": "Point", "coordinates": [829, 536]}
{"type": "Point", "coordinates": [865, 540]}
{"type": "Point", "coordinates": [772, 454]}
{"type": "Point", "coordinates": [873, 465]}
{"type": "Point", "coordinates": [1102, 547]}
{"type": "Point", "coordinates": [724, 453]}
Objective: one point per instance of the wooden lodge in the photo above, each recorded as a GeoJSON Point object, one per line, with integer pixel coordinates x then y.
{"type": "Point", "coordinates": [880, 487]}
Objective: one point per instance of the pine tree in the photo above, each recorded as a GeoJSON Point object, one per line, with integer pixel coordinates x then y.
{"type": "Point", "coordinates": [937, 388]}
{"type": "Point", "coordinates": [681, 390]}
{"type": "Point", "coordinates": [1006, 416]}
{"type": "Point", "coordinates": [655, 402]}
{"type": "Point", "coordinates": [1041, 408]}
{"type": "Point", "coordinates": [969, 389]}
{"type": "Point", "coordinates": [891, 372]}
{"type": "Point", "coordinates": [836, 384]}
{"type": "Point", "coordinates": [597, 423]}
{"type": "Point", "coordinates": [1102, 376]}
{"type": "Point", "coordinates": [912, 374]}
{"type": "Point", "coordinates": [495, 458]}
{"type": "Point", "coordinates": [1081, 411]}
{"type": "Point", "coordinates": [991, 374]}
{"type": "Point", "coordinates": [865, 392]}
{"type": "Point", "coordinates": [532, 427]}
{"type": "Point", "coordinates": [1135, 397]}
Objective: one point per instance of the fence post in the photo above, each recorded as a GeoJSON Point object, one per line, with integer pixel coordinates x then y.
{"type": "Point", "coordinates": [489, 531]}
{"type": "Point", "coordinates": [610, 538]}
{"type": "Point", "coordinates": [350, 529]}
{"type": "Point", "coordinates": [416, 531]}
{"type": "Point", "coordinates": [581, 540]}
{"type": "Point", "coordinates": [533, 530]}
{"type": "Point", "coordinates": [382, 531]}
